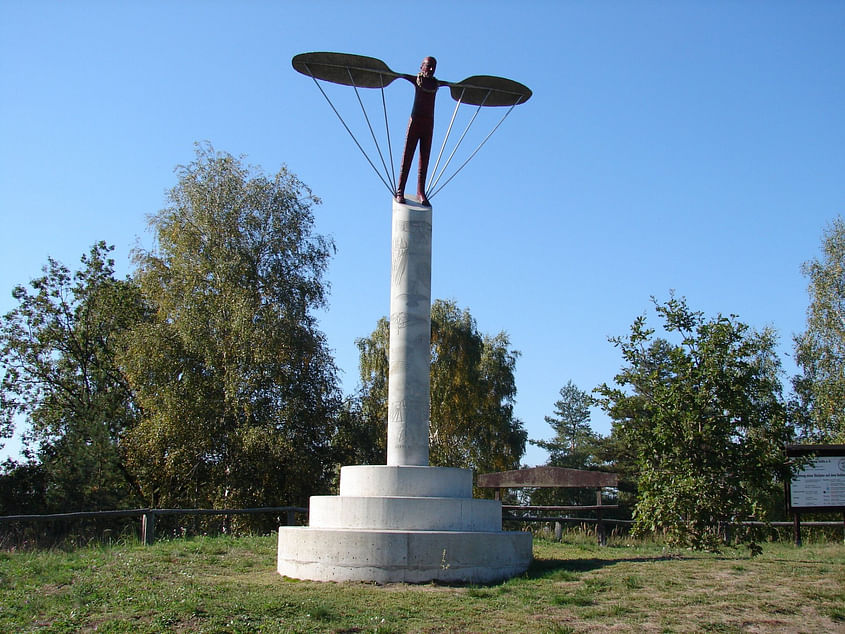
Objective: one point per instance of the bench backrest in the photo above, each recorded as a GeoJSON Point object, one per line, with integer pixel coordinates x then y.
{"type": "Point", "coordinates": [547, 477]}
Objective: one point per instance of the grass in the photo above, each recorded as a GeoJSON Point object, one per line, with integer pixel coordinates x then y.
{"type": "Point", "coordinates": [226, 584]}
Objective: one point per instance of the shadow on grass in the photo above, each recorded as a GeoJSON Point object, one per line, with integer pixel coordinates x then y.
{"type": "Point", "coordinates": [541, 568]}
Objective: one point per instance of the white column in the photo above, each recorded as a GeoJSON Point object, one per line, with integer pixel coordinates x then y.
{"type": "Point", "coordinates": [410, 336]}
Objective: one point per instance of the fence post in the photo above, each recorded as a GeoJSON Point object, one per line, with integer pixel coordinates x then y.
{"type": "Point", "coordinates": [148, 527]}
{"type": "Point", "coordinates": [600, 534]}
{"type": "Point", "coordinates": [796, 528]}
{"type": "Point", "coordinates": [291, 518]}
{"type": "Point", "coordinates": [558, 531]}
{"type": "Point", "coordinates": [602, 537]}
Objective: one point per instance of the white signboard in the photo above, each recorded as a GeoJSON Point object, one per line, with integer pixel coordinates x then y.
{"type": "Point", "coordinates": [820, 483]}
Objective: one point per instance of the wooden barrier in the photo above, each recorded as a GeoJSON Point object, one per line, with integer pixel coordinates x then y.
{"type": "Point", "coordinates": [554, 477]}
{"type": "Point", "coordinates": [148, 516]}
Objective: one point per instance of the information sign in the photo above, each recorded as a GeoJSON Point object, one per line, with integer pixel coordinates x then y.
{"type": "Point", "coordinates": [819, 484]}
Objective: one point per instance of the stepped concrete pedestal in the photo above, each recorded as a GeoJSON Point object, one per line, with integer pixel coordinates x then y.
{"type": "Point", "coordinates": [409, 524]}
{"type": "Point", "coordinates": [405, 521]}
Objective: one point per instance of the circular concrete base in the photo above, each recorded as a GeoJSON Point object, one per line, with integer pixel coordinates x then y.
{"type": "Point", "coordinates": [403, 523]}
{"type": "Point", "coordinates": [405, 513]}
{"type": "Point", "coordinates": [384, 556]}
{"type": "Point", "coordinates": [405, 481]}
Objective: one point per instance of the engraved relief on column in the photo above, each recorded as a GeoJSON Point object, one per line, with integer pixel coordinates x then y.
{"type": "Point", "coordinates": [410, 332]}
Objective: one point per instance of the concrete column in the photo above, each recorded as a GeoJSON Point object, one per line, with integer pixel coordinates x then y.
{"type": "Point", "coordinates": [409, 382]}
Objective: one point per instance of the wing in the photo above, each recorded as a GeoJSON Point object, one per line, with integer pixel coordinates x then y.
{"type": "Point", "coordinates": [486, 90]}
{"type": "Point", "coordinates": [345, 69]}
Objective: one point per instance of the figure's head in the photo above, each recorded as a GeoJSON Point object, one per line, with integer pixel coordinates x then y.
{"type": "Point", "coordinates": [428, 66]}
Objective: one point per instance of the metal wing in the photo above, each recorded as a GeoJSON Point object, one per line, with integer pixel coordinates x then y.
{"type": "Point", "coordinates": [487, 90]}
{"type": "Point", "coordinates": [345, 69]}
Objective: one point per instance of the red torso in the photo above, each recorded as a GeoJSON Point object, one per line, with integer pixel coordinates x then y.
{"type": "Point", "coordinates": [425, 90]}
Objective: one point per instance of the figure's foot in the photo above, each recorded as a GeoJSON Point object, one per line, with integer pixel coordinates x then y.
{"type": "Point", "coordinates": [423, 200]}
{"type": "Point", "coordinates": [400, 198]}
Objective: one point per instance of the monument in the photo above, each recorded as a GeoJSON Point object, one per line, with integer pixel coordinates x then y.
{"type": "Point", "coordinates": [406, 521]}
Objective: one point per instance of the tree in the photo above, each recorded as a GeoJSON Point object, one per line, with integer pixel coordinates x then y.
{"type": "Point", "coordinates": [367, 422]}
{"type": "Point", "coordinates": [618, 449]}
{"type": "Point", "coordinates": [706, 420]}
{"type": "Point", "coordinates": [238, 388]}
{"type": "Point", "coordinates": [820, 350]}
{"type": "Point", "coordinates": [58, 351]}
{"type": "Point", "coordinates": [23, 488]}
{"type": "Point", "coordinates": [573, 445]}
{"type": "Point", "coordinates": [472, 392]}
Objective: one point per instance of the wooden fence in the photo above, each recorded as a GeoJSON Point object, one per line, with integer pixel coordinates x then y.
{"type": "Point", "coordinates": [148, 516]}
{"type": "Point", "coordinates": [507, 516]}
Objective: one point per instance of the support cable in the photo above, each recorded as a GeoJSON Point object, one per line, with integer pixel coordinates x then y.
{"type": "Point", "coordinates": [480, 145]}
{"type": "Point", "coordinates": [445, 139]}
{"type": "Point", "coordinates": [391, 173]}
{"type": "Point", "coordinates": [458, 144]}
{"type": "Point", "coordinates": [337, 114]}
{"type": "Point", "coordinates": [367, 119]}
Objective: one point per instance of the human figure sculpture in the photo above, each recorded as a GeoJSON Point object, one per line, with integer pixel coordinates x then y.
{"type": "Point", "coordinates": [359, 71]}
{"type": "Point", "coordinates": [420, 127]}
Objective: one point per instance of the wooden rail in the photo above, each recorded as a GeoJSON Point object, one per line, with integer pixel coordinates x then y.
{"type": "Point", "coordinates": [558, 520]}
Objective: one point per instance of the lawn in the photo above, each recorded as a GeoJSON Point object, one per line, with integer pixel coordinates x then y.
{"type": "Point", "coordinates": [226, 584]}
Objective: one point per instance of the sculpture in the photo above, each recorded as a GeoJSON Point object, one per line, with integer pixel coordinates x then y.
{"type": "Point", "coordinates": [420, 127]}
{"type": "Point", "coordinates": [406, 520]}
{"type": "Point", "coordinates": [368, 72]}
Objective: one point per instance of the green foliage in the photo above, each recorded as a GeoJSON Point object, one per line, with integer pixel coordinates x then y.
{"type": "Point", "coordinates": [472, 395]}
{"type": "Point", "coordinates": [235, 380]}
{"type": "Point", "coordinates": [58, 351]}
{"type": "Point", "coordinates": [706, 421]}
{"type": "Point", "coordinates": [820, 350]}
{"type": "Point", "coordinates": [617, 455]}
{"type": "Point", "coordinates": [23, 488]}
{"type": "Point", "coordinates": [573, 445]}
{"type": "Point", "coordinates": [472, 392]}
{"type": "Point", "coordinates": [368, 410]}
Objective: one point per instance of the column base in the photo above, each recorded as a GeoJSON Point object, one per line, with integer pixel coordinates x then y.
{"type": "Point", "coordinates": [403, 524]}
{"type": "Point", "coordinates": [402, 556]}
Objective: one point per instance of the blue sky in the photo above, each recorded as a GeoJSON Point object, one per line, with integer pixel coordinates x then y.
{"type": "Point", "coordinates": [694, 146]}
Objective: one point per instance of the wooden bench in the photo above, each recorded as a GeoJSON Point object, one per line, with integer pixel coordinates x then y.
{"type": "Point", "coordinates": [553, 477]}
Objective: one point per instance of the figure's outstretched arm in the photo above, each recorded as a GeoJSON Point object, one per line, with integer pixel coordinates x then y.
{"type": "Point", "coordinates": [413, 80]}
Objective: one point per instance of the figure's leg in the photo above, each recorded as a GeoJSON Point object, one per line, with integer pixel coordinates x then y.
{"type": "Point", "coordinates": [425, 154]}
{"type": "Point", "coordinates": [407, 156]}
